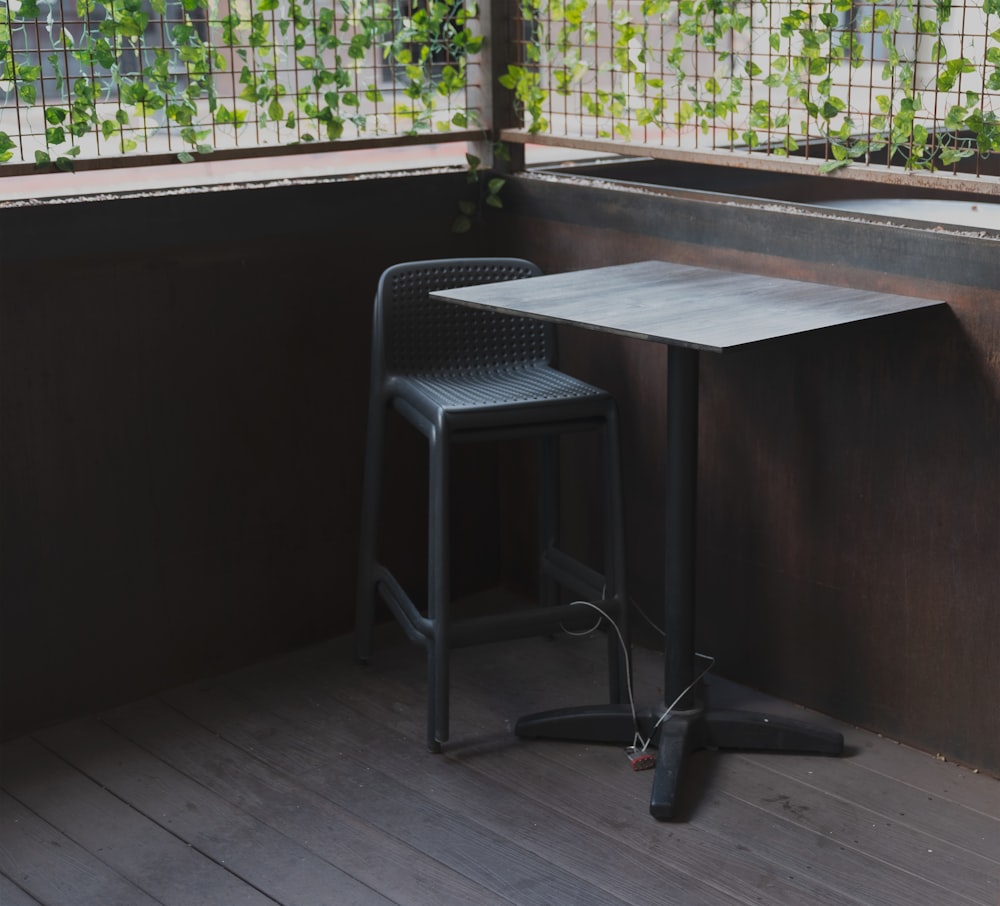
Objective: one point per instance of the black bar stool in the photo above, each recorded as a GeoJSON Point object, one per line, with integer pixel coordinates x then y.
{"type": "Point", "coordinates": [461, 375]}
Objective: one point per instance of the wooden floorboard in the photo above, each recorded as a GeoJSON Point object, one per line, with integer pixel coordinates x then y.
{"type": "Point", "coordinates": [276, 795]}
{"type": "Point", "coordinates": [12, 895]}
{"type": "Point", "coordinates": [347, 759]}
{"type": "Point", "coordinates": [305, 780]}
{"type": "Point", "coordinates": [250, 848]}
{"type": "Point", "coordinates": [48, 867]}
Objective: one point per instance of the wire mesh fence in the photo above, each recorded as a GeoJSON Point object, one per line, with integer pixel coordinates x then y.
{"type": "Point", "coordinates": [902, 83]}
{"type": "Point", "coordinates": [103, 78]}
{"type": "Point", "coordinates": [908, 84]}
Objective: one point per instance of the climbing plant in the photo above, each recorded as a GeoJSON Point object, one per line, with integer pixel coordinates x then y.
{"type": "Point", "coordinates": [909, 81]}
{"type": "Point", "coordinates": [900, 80]}
{"type": "Point", "coordinates": [99, 77]}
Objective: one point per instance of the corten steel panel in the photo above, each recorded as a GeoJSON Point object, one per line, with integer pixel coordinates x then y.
{"type": "Point", "coordinates": [183, 418]}
{"type": "Point", "coordinates": [849, 486]}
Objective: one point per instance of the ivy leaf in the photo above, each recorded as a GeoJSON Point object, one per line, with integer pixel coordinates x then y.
{"type": "Point", "coordinates": [950, 156]}
{"type": "Point", "coordinates": [6, 147]}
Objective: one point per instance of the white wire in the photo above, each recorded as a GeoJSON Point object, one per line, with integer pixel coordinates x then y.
{"type": "Point", "coordinates": [579, 633]}
{"type": "Point", "coordinates": [639, 743]}
{"type": "Point", "coordinates": [669, 709]}
{"type": "Point", "coordinates": [628, 665]}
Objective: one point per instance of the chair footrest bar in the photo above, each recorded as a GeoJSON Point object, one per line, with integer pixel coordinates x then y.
{"type": "Point", "coordinates": [572, 574]}
{"type": "Point", "coordinates": [490, 627]}
{"type": "Point", "coordinates": [521, 623]}
{"type": "Point", "coordinates": [416, 626]}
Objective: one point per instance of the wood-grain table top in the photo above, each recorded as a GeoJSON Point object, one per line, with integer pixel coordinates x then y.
{"type": "Point", "coordinates": [696, 307]}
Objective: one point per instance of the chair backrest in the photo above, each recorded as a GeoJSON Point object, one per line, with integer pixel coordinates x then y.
{"type": "Point", "coordinates": [417, 335]}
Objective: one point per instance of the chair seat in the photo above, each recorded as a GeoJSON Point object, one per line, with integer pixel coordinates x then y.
{"type": "Point", "coordinates": [495, 389]}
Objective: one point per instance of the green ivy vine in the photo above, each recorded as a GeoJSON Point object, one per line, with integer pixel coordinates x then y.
{"type": "Point", "coordinates": [306, 70]}
{"type": "Point", "coordinates": [770, 93]}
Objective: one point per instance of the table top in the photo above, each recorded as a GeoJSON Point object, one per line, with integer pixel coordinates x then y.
{"type": "Point", "coordinates": [681, 305]}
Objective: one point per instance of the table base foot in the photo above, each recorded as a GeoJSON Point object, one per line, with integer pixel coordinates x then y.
{"type": "Point", "coordinates": [682, 734]}
{"type": "Point", "coordinates": [589, 723]}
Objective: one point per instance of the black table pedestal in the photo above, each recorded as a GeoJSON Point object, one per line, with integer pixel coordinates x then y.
{"type": "Point", "coordinates": [690, 726]}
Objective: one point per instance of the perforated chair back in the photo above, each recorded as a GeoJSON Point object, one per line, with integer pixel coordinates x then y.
{"type": "Point", "coordinates": [417, 335]}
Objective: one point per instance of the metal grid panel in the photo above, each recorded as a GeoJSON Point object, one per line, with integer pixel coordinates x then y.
{"type": "Point", "coordinates": [102, 78]}
{"type": "Point", "coordinates": [902, 83]}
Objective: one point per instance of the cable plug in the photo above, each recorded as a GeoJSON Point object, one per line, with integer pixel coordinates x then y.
{"type": "Point", "coordinates": [640, 759]}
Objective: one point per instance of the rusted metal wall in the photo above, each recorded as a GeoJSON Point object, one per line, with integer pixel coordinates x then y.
{"type": "Point", "coordinates": [183, 391]}
{"type": "Point", "coordinates": [181, 443]}
{"type": "Point", "coordinates": [849, 485]}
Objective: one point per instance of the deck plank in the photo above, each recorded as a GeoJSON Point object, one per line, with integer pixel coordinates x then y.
{"type": "Point", "coordinates": [344, 768]}
{"type": "Point", "coordinates": [299, 778]}
{"type": "Point", "coordinates": [54, 869]}
{"type": "Point", "coordinates": [914, 856]}
{"type": "Point", "coordinates": [517, 813]}
{"type": "Point", "coordinates": [250, 849]}
{"type": "Point", "coordinates": [899, 806]}
{"type": "Point", "coordinates": [140, 850]}
{"type": "Point", "coordinates": [591, 785]}
{"type": "Point", "coordinates": [925, 868]}
{"type": "Point", "coordinates": [13, 895]}
{"type": "Point", "coordinates": [885, 759]}
{"type": "Point", "coordinates": [277, 797]}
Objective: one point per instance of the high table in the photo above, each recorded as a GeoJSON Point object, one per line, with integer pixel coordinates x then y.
{"type": "Point", "coordinates": [692, 310]}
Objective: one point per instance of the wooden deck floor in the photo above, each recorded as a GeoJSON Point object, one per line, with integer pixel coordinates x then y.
{"type": "Point", "coordinates": [305, 781]}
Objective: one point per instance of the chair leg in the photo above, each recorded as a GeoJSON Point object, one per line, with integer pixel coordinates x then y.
{"type": "Point", "coordinates": [548, 514]}
{"type": "Point", "coordinates": [371, 503]}
{"type": "Point", "coordinates": [433, 744]}
{"type": "Point", "coordinates": [438, 591]}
